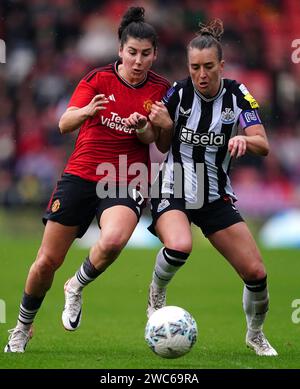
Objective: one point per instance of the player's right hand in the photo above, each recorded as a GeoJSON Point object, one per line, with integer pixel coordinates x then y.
{"type": "Point", "coordinates": [159, 116]}
{"type": "Point", "coordinates": [97, 104]}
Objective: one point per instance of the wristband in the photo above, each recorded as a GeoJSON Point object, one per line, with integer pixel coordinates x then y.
{"type": "Point", "coordinates": [142, 130]}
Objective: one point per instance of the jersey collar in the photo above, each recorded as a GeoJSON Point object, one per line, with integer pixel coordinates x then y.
{"type": "Point", "coordinates": [123, 81]}
{"type": "Point", "coordinates": [220, 91]}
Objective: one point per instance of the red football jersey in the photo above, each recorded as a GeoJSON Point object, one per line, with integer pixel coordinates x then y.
{"type": "Point", "coordinates": [104, 139]}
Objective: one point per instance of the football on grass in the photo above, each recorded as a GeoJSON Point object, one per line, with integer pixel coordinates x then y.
{"type": "Point", "coordinates": [171, 332]}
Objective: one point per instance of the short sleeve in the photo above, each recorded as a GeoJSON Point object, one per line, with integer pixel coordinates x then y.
{"type": "Point", "coordinates": [171, 100]}
{"type": "Point", "coordinates": [244, 99]}
{"type": "Point", "coordinates": [83, 93]}
{"type": "Point", "coordinates": [249, 117]}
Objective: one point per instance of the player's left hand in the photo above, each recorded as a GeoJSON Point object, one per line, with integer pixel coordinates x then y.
{"type": "Point", "coordinates": [237, 146]}
{"type": "Point", "coordinates": [136, 120]}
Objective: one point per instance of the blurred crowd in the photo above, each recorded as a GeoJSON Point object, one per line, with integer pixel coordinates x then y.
{"type": "Point", "coordinates": [51, 45]}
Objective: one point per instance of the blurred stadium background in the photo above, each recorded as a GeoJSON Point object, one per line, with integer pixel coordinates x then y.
{"type": "Point", "coordinates": [50, 45]}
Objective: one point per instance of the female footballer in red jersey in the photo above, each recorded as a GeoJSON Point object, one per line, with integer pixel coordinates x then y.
{"type": "Point", "coordinates": [102, 101]}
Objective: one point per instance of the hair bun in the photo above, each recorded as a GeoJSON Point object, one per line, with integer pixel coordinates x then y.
{"type": "Point", "coordinates": [133, 14]}
{"type": "Point", "coordinates": [137, 14]}
{"type": "Point", "coordinates": [213, 28]}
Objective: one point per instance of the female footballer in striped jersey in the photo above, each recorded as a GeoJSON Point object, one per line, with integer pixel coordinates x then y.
{"type": "Point", "coordinates": [199, 121]}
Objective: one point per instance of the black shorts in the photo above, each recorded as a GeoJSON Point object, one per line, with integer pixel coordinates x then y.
{"type": "Point", "coordinates": [210, 218]}
{"type": "Point", "coordinates": [74, 202]}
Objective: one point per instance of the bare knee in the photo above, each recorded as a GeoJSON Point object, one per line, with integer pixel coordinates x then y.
{"type": "Point", "coordinates": [112, 244]}
{"type": "Point", "coordinates": [255, 271]}
{"type": "Point", "coordinates": [47, 262]}
{"type": "Point", "coordinates": [184, 245]}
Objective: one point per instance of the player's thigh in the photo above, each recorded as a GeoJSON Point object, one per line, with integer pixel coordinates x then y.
{"type": "Point", "coordinates": [238, 246]}
{"type": "Point", "coordinates": [56, 241]}
{"type": "Point", "coordinates": [174, 230]}
{"type": "Point", "coordinates": [73, 203]}
{"type": "Point", "coordinates": [117, 224]}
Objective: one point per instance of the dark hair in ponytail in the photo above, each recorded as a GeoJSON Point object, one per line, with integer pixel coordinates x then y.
{"type": "Point", "coordinates": [208, 36]}
{"type": "Point", "coordinates": [133, 25]}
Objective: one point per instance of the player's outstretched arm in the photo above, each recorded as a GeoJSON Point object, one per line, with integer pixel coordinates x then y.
{"type": "Point", "coordinates": [74, 116]}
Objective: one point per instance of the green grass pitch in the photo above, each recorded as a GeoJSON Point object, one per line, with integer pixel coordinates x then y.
{"type": "Point", "coordinates": [112, 329]}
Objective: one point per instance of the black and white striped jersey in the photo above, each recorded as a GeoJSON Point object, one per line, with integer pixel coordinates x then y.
{"type": "Point", "coordinates": [202, 129]}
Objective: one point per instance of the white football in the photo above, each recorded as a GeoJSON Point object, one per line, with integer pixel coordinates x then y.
{"type": "Point", "coordinates": [171, 332]}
